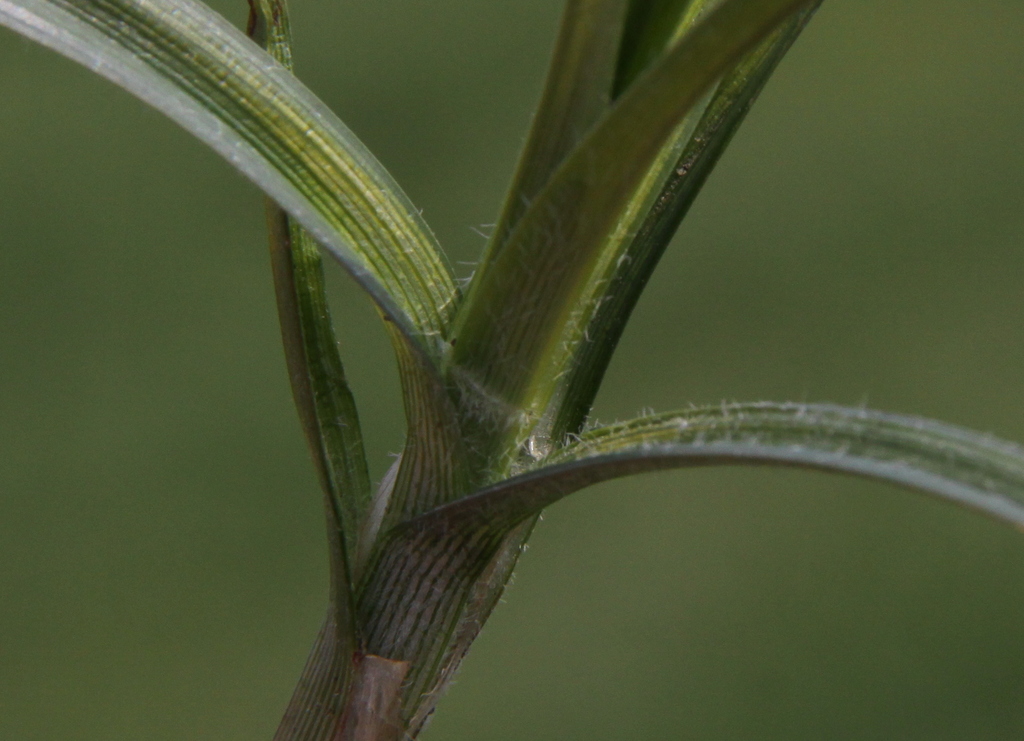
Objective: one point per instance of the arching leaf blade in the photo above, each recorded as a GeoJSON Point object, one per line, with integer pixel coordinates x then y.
{"type": "Point", "coordinates": [191, 64]}
{"type": "Point", "coordinates": [977, 471]}
{"type": "Point", "coordinates": [432, 563]}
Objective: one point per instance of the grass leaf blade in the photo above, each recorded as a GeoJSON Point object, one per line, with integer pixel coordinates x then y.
{"type": "Point", "coordinates": [977, 471]}
{"type": "Point", "coordinates": [323, 398]}
{"type": "Point", "coordinates": [431, 564]}
{"type": "Point", "coordinates": [191, 64]}
{"type": "Point", "coordinates": [327, 411]}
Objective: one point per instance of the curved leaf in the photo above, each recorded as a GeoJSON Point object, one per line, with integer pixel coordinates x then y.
{"type": "Point", "coordinates": [187, 61]}
{"type": "Point", "coordinates": [975, 470]}
{"type": "Point", "coordinates": [428, 570]}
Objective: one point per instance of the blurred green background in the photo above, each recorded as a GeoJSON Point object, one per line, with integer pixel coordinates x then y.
{"type": "Point", "coordinates": [162, 566]}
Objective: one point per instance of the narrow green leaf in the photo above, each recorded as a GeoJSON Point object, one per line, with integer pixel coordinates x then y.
{"type": "Point", "coordinates": [330, 422]}
{"type": "Point", "coordinates": [975, 470]}
{"type": "Point", "coordinates": [522, 318]}
{"type": "Point", "coordinates": [633, 249]}
{"type": "Point", "coordinates": [322, 396]}
{"type": "Point", "coordinates": [324, 401]}
{"type": "Point", "coordinates": [429, 568]}
{"type": "Point", "coordinates": [187, 61]}
{"type": "Point", "coordinates": [577, 93]}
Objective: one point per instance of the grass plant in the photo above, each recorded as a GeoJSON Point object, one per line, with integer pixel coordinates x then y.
{"type": "Point", "coordinates": [498, 376]}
